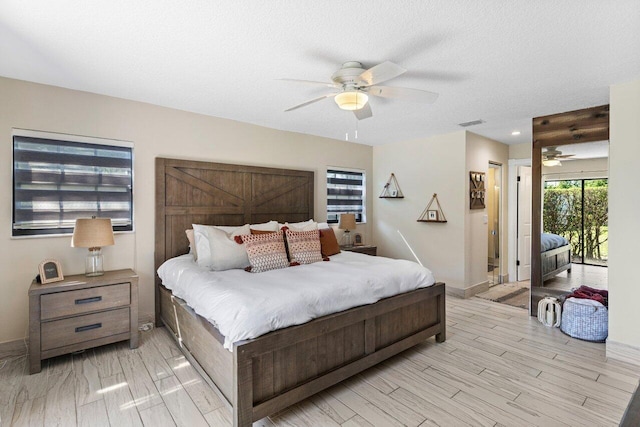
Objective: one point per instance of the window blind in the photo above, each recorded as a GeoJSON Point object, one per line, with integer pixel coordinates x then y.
{"type": "Point", "coordinates": [345, 194]}
{"type": "Point", "coordinates": [55, 182]}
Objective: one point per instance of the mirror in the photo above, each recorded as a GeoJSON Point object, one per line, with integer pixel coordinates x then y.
{"type": "Point", "coordinates": [570, 162]}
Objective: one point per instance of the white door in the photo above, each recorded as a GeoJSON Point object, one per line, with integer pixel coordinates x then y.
{"type": "Point", "coordinates": [524, 223]}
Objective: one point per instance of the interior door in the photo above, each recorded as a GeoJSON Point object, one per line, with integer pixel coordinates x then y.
{"type": "Point", "coordinates": [524, 223]}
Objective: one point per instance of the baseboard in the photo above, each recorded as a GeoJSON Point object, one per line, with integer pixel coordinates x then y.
{"type": "Point", "coordinates": [13, 348]}
{"type": "Point", "coordinates": [468, 292]}
{"type": "Point", "coordinates": [623, 352]}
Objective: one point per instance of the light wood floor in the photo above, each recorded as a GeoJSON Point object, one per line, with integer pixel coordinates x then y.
{"type": "Point", "coordinates": [498, 367]}
{"type": "Point", "coordinates": [581, 274]}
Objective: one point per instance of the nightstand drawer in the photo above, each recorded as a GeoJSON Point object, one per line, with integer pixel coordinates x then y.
{"type": "Point", "coordinates": [60, 333]}
{"type": "Point", "coordinates": [85, 300]}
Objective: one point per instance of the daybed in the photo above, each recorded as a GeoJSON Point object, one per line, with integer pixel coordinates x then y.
{"type": "Point", "coordinates": [556, 255]}
{"type": "Point", "coordinates": [264, 375]}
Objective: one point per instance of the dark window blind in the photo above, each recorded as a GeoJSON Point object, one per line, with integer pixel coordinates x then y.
{"type": "Point", "coordinates": [345, 194]}
{"type": "Point", "coordinates": [55, 182]}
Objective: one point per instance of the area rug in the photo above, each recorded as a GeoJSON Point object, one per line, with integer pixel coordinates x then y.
{"type": "Point", "coordinates": [515, 294]}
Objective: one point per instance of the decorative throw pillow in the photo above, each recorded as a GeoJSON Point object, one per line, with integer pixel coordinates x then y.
{"type": "Point", "coordinates": [217, 249]}
{"type": "Point", "coordinates": [261, 231]}
{"type": "Point", "coordinates": [192, 243]}
{"type": "Point", "coordinates": [266, 251]}
{"type": "Point", "coordinates": [328, 242]}
{"type": "Point", "coordinates": [304, 246]}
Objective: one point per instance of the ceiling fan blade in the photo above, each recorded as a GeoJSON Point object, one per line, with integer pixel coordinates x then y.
{"type": "Point", "coordinates": [304, 104]}
{"type": "Point", "coordinates": [364, 113]}
{"type": "Point", "coordinates": [409, 94]}
{"type": "Point", "coordinates": [310, 82]}
{"type": "Point", "coordinates": [564, 156]}
{"type": "Point", "coordinates": [381, 73]}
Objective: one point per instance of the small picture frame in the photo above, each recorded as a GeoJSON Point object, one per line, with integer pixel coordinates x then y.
{"type": "Point", "coordinates": [432, 215]}
{"type": "Point", "coordinates": [394, 193]}
{"type": "Point", "coordinates": [357, 239]}
{"type": "Point", "coordinates": [50, 271]}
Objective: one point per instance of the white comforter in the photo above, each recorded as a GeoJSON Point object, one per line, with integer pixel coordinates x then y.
{"type": "Point", "coordinates": [246, 305]}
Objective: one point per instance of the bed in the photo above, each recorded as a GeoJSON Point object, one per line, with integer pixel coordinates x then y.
{"type": "Point", "coordinates": [266, 374]}
{"type": "Point", "coordinates": [556, 255]}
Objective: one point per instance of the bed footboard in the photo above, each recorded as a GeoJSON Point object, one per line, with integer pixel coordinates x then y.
{"type": "Point", "coordinates": [556, 261]}
{"type": "Point", "coordinates": [276, 370]}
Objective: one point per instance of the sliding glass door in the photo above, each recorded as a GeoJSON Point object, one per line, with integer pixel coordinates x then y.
{"type": "Point", "coordinates": [577, 210]}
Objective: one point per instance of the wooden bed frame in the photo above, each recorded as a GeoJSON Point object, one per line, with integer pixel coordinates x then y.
{"type": "Point", "coordinates": [556, 261]}
{"type": "Point", "coordinates": [269, 373]}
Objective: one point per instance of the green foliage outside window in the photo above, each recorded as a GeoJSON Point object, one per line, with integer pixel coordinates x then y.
{"type": "Point", "coordinates": [562, 215]}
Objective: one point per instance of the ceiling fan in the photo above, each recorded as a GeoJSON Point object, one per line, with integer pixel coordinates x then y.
{"type": "Point", "coordinates": [551, 157]}
{"type": "Point", "coordinates": [352, 85]}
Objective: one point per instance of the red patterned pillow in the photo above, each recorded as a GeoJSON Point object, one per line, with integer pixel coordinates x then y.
{"type": "Point", "coordinates": [266, 251]}
{"type": "Point", "coordinates": [304, 246]}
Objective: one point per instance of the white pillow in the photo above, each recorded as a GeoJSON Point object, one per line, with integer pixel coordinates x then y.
{"type": "Point", "coordinates": [266, 226]}
{"type": "Point", "coordinates": [323, 225]}
{"type": "Point", "coordinates": [302, 226]}
{"type": "Point", "coordinates": [217, 248]}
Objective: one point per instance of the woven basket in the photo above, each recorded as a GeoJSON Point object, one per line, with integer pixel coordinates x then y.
{"type": "Point", "coordinates": [585, 319]}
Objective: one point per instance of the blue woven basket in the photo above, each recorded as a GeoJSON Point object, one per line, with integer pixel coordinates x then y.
{"type": "Point", "coordinates": [585, 319]}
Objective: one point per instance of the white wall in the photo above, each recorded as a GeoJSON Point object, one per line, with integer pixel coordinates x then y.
{"type": "Point", "coordinates": [423, 167]}
{"type": "Point", "coordinates": [520, 151]}
{"type": "Point", "coordinates": [155, 131]}
{"type": "Point", "coordinates": [624, 210]}
{"type": "Point", "coordinates": [456, 252]}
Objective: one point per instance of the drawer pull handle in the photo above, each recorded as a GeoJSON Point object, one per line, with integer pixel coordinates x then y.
{"type": "Point", "coordinates": [88, 300]}
{"type": "Point", "coordinates": [88, 327]}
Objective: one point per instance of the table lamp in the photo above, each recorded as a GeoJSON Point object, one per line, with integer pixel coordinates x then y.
{"type": "Point", "coordinates": [347, 223]}
{"type": "Point", "coordinates": [93, 233]}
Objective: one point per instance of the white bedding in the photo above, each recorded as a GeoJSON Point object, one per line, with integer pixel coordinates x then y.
{"type": "Point", "coordinates": [246, 305]}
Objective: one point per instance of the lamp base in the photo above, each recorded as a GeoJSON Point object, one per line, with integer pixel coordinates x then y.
{"type": "Point", "coordinates": [346, 239]}
{"type": "Point", "coordinates": [94, 263]}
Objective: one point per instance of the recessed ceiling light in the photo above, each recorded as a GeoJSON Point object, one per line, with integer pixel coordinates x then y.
{"type": "Point", "coordinates": [515, 133]}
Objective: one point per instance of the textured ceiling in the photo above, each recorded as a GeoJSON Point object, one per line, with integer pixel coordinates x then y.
{"type": "Point", "coordinates": [501, 61]}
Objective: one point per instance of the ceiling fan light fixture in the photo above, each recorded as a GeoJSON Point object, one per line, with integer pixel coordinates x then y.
{"type": "Point", "coordinates": [351, 100]}
{"type": "Point", "coordinates": [551, 162]}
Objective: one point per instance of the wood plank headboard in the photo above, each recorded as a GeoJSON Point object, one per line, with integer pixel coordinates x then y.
{"type": "Point", "coordinates": [190, 192]}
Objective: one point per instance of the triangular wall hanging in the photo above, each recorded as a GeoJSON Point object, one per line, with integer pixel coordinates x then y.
{"type": "Point", "coordinates": [433, 215]}
{"type": "Point", "coordinates": [392, 189]}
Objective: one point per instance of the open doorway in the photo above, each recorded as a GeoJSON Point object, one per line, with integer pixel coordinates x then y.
{"type": "Point", "coordinates": [494, 202]}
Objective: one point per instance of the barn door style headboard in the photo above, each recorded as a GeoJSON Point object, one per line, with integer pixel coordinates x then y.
{"type": "Point", "coordinates": [190, 192]}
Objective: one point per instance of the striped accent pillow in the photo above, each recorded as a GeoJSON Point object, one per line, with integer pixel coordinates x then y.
{"type": "Point", "coordinates": [304, 246]}
{"type": "Point", "coordinates": [266, 251]}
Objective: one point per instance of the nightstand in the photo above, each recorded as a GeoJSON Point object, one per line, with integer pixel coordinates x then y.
{"type": "Point", "coordinates": [364, 249]}
{"type": "Point", "coordinates": [82, 312]}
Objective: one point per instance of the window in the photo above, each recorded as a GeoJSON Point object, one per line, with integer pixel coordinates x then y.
{"type": "Point", "coordinates": [345, 194]}
{"type": "Point", "coordinates": [58, 178]}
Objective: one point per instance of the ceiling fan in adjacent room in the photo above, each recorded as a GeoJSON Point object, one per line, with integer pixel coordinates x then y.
{"type": "Point", "coordinates": [352, 85]}
{"type": "Point", "coordinates": [551, 157]}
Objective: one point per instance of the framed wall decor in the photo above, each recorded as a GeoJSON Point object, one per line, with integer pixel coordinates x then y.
{"type": "Point", "coordinates": [476, 190]}
{"type": "Point", "coordinates": [357, 239]}
{"type": "Point", "coordinates": [50, 271]}
{"type": "Point", "coordinates": [432, 215]}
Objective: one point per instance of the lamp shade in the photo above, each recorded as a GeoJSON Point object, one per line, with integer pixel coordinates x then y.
{"type": "Point", "coordinates": [92, 233]}
{"type": "Point", "coordinates": [353, 100]}
{"type": "Point", "coordinates": [347, 222]}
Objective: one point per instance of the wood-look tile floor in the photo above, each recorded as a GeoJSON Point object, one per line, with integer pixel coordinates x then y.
{"type": "Point", "coordinates": [498, 367]}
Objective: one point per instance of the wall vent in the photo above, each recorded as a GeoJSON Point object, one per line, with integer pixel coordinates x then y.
{"type": "Point", "coordinates": [471, 123]}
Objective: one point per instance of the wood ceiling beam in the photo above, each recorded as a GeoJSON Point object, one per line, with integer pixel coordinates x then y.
{"type": "Point", "coordinates": [587, 125]}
